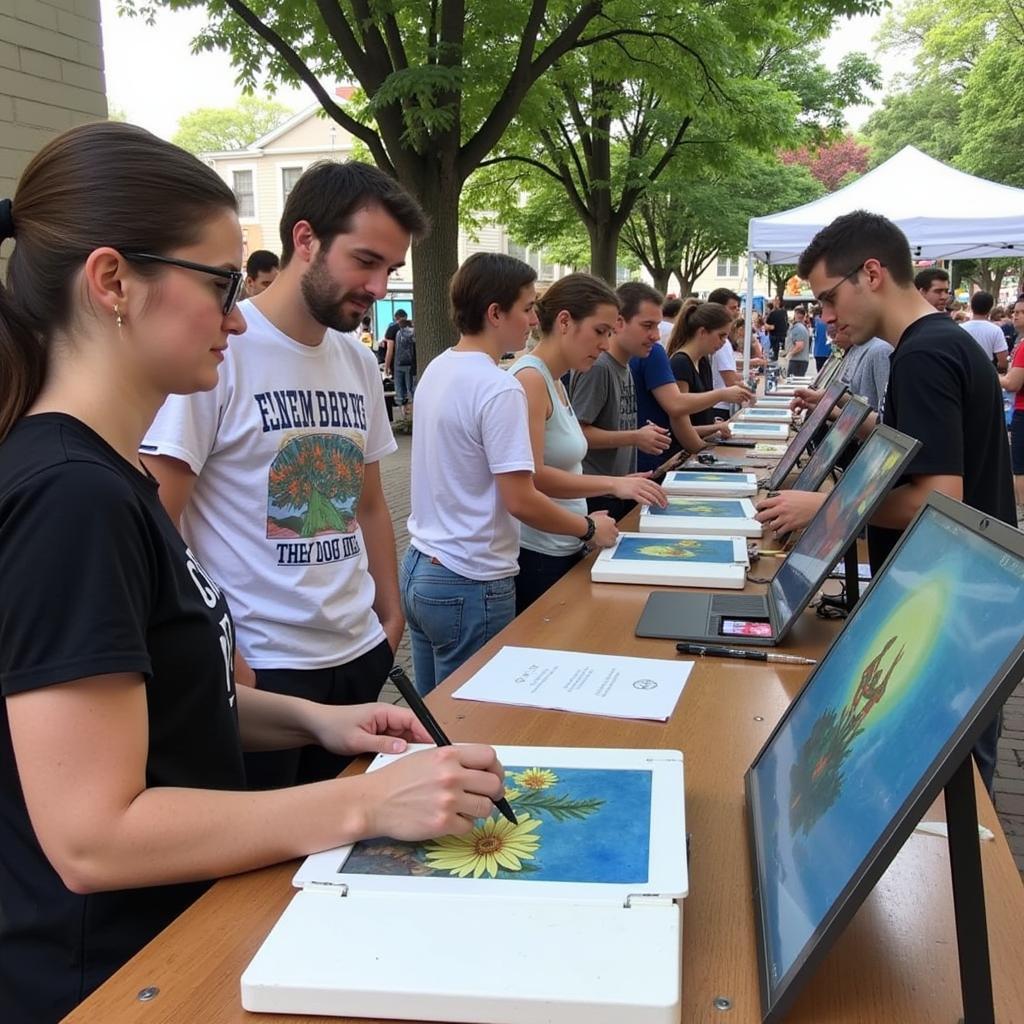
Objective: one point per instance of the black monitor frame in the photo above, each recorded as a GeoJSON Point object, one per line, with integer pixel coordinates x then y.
{"type": "Point", "coordinates": [811, 477]}
{"type": "Point", "coordinates": [815, 418]}
{"type": "Point", "coordinates": [951, 770]}
{"type": "Point", "coordinates": [828, 372]}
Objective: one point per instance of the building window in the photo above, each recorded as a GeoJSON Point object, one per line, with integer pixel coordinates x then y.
{"type": "Point", "coordinates": [241, 185]}
{"type": "Point", "coordinates": [728, 266]}
{"type": "Point", "coordinates": [289, 177]}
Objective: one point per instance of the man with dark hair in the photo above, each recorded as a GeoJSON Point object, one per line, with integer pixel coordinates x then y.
{"type": "Point", "coordinates": [941, 391]}
{"type": "Point", "coordinates": [274, 476]}
{"type": "Point", "coordinates": [401, 316]}
{"type": "Point", "coordinates": [987, 334]}
{"type": "Point", "coordinates": [798, 344]}
{"type": "Point", "coordinates": [261, 268]}
{"type": "Point", "coordinates": [605, 402]}
{"type": "Point", "coordinates": [778, 325]}
{"type": "Point", "coordinates": [933, 284]}
{"type": "Point", "coordinates": [669, 311]}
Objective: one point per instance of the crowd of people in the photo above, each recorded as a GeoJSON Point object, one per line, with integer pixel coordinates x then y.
{"type": "Point", "coordinates": [203, 595]}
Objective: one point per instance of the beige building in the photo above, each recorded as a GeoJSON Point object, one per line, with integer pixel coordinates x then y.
{"type": "Point", "coordinates": [51, 76]}
{"type": "Point", "coordinates": [263, 175]}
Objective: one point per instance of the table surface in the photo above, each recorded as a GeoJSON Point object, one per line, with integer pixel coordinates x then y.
{"type": "Point", "coordinates": [895, 963]}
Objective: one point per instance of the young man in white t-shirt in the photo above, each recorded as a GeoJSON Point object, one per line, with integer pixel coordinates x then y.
{"type": "Point", "coordinates": [472, 476]}
{"type": "Point", "coordinates": [274, 475]}
{"type": "Point", "coordinates": [987, 334]}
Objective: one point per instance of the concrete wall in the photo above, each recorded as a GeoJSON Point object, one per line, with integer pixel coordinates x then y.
{"type": "Point", "coordinates": [51, 76]}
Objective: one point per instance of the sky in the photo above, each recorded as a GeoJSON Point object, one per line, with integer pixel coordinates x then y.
{"type": "Point", "coordinates": [154, 78]}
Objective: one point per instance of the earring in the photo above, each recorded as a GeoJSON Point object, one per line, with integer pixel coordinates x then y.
{"type": "Point", "coordinates": [118, 317]}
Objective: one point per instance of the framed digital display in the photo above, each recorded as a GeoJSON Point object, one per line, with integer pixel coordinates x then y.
{"type": "Point", "coordinates": [821, 463]}
{"type": "Point", "coordinates": [888, 715]}
{"type": "Point", "coordinates": [808, 428]}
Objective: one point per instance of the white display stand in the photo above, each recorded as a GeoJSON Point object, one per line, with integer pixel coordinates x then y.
{"type": "Point", "coordinates": [744, 525]}
{"type": "Point", "coordinates": [772, 401]}
{"type": "Point", "coordinates": [673, 572]}
{"type": "Point", "coordinates": [489, 950]}
{"type": "Point", "coordinates": [710, 483]}
{"type": "Point", "coordinates": [759, 431]}
{"type": "Point", "coordinates": [772, 415]}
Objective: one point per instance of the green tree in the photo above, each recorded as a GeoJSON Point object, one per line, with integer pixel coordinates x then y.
{"type": "Point", "coordinates": [217, 129]}
{"type": "Point", "coordinates": [925, 115]}
{"type": "Point", "coordinates": [441, 80]}
{"type": "Point", "coordinates": [695, 213]}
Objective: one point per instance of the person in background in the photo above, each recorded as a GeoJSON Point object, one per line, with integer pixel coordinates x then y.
{"type": "Point", "coordinates": [274, 474]}
{"type": "Point", "coordinates": [390, 333]}
{"type": "Point", "coordinates": [578, 315]}
{"type": "Point", "coordinates": [987, 334]}
{"type": "Point", "coordinates": [472, 476]}
{"type": "Point", "coordinates": [404, 350]}
{"type": "Point", "coordinates": [604, 400]}
{"type": "Point", "coordinates": [798, 344]}
{"type": "Point", "coordinates": [261, 268]}
{"type": "Point", "coordinates": [366, 332]}
{"type": "Point", "coordinates": [933, 284]}
{"type": "Point", "coordinates": [778, 326]}
{"type": "Point", "coordinates": [122, 790]}
{"type": "Point", "coordinates": [1013, 381]}
{"type": "Point", "coordinates": [723, 362]}
{"type": "Point", "coordinates": [669, 311]}
{"type": "Point", "coordinates": [698, 334]}
{"type": "Point", "coordinates": [822, 348]}
{"type": "Point", "coordinates": [659, 399]}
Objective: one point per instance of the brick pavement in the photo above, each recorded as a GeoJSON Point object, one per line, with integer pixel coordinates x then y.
{"type": "Point", "coordinates": [1009, 786]}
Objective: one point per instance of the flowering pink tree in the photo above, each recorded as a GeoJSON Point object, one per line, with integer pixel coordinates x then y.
{"type": "Point", "coordinates": [833, 163]}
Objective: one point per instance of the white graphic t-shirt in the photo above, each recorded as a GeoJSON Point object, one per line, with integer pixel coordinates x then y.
{"type": "Point", "coordinates": [279, 448]}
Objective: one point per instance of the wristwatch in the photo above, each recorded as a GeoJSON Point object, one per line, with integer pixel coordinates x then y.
{"type": "Point", "coordinates": [591, 527]}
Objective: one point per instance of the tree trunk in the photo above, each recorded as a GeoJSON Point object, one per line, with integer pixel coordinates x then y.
{"type": "Point", "coordinates": [604, 249]}
{"type": "Point", "coordinates": [434, 261]}
{"type": "Point", "coordinates": [661, 278]}
{"type": "Point", "coordinates": [685, 284]}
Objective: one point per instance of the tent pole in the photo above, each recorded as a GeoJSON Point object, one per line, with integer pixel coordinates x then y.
{"type": "Point", "coordinates": [748, 322]}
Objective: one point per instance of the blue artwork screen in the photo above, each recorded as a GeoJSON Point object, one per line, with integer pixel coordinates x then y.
{"type": "Point", "coordinates": [876, 716]}
{"type": "Point", "coordinates": [685, 549]}
{"type": "Point", "coordinates": [820, 463]}
{"type": "Point", "coordinates": [832, 529]}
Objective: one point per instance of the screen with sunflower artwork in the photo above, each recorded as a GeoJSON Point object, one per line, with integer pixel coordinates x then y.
{"type": "Point", "coordinates": [575, 825]}
{"type": "Point", "coordinates": [880, 725]}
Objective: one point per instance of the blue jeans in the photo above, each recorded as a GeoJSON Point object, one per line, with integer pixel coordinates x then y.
{"type": "Point", "coordinates": [449, 616]}
{"type": "Point", "coordinates": [405, 385]}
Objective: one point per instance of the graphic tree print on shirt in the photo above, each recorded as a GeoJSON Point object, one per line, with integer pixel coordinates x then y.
{"type": "Point", "coordinates": [313, 486]}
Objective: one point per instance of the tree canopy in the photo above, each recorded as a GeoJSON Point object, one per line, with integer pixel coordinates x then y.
{"type": "Point", "coordinates": [219, 129]}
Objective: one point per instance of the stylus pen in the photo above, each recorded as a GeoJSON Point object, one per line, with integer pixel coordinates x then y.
{"type": "Point", "coordinates": [742, 652]}
{"type": "Point", "coordinates": [429, 722]}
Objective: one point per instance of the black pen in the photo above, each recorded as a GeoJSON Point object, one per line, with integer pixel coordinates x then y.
{"type": "Point", "coordinates": [430, 723]}
{"type": "Point", "coordinates": [749, 654]}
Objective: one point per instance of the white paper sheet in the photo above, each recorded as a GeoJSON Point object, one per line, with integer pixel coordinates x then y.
{"type": "Point", "coordinates": [590, 684]}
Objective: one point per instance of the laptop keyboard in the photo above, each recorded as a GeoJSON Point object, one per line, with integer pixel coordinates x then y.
{"type": "Point", "coordinates": [735, 607]}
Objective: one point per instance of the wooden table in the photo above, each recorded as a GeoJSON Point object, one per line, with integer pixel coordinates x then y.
{"type": "Point", "coordinates": [895, 964]}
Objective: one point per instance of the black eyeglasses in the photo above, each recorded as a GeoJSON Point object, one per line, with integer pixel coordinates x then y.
{"type": "Point", "coordinates": [235, 277]}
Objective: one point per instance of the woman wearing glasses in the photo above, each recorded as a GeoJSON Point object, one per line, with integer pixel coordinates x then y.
{"type": "Point", "coordinates": [121, 732]}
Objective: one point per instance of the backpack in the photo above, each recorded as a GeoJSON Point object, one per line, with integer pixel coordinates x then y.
{"type": "Point", "coordinates": [405, 347]}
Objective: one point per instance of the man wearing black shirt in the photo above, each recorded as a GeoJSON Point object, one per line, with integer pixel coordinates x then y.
{"type": "Point", "coordinates": [942, 390]}
{"type": "Point", "coordinates": [778, 322]}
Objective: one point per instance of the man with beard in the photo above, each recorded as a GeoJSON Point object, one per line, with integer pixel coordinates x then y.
{"type": "Point", "coordinates": [273, 476]}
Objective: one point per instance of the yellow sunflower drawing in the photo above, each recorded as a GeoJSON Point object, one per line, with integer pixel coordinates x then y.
{"type": "Point", "coordinates": [496, 843]}
{"type": "Point", "coordinates": [536, 778]}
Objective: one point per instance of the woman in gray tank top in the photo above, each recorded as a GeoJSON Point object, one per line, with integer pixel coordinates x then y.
{"type": "Point", "coordinates": [577, 316]}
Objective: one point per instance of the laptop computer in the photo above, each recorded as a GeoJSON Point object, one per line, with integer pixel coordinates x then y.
{"type": "Point", "coordinates": [827, 373]}
{"type": "Point", "coordinates": [814, 419]}
{"type": "Point", "coordinates": [764, 619]}
{"type": "Point", "coordinates": [823, 461]}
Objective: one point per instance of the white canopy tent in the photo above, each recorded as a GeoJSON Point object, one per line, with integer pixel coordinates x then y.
{"type": "Point", "coordinates": [945, 214]}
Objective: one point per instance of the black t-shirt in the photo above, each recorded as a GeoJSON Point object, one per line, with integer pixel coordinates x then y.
{"type": "Point", "coordinates": [96, 580]}
{"type": "Point", "coordinates": [699, 380]}
{"type": "Point", "coordinates": [944, 391]}
{"type": "Point", "coordinates": [778, 320]}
